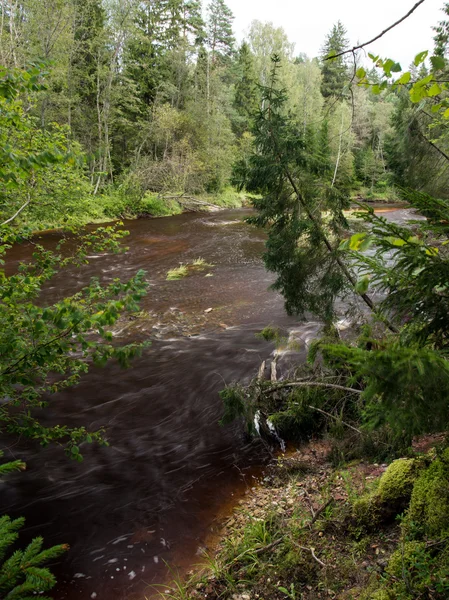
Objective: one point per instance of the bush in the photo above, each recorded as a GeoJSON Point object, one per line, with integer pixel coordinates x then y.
{"type": "Point", "coordinates": [155, 206]}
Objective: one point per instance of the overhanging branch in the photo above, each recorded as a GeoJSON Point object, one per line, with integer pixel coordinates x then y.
{"type": "Point", "coordinates": [355, 48]}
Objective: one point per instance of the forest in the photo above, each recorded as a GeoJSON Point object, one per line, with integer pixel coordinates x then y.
{"type": "Point", "coordinates": [125, 109]}
{"type": "Point", "coordinates": [153, 101]}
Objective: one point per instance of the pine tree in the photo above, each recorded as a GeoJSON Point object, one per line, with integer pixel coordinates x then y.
{"type": "Point", "coordinates": [334, 71]}
{"type": "Point", "coordinates": [220, 35]}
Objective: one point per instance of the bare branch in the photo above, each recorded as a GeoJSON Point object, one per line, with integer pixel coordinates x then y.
{"type": "Point", "coordinates": [17, 213]}
{"type": "Point", "coordinates": [312, 384]}
{"type": "Point", "coordinates": [410, 12]}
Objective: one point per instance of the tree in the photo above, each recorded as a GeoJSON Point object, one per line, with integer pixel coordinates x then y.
{"type": "Point", "coordinates": [441, 38]}
{"type": "Point", "coordinates": [247, 97]}
{"type": "Point", "coordinates": [220, 37]}
{"type": "Point", "coordinates": [265, 41]}
{"type": "Point", "coordinates": [335, 71]}
{"type": "Point", "coordinates": [300, 246]}
{"type": "Point", "coordinates": [46, 348]}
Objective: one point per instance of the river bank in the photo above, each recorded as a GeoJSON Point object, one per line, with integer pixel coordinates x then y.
{"type": "Point", "coordinates": [312, 529]}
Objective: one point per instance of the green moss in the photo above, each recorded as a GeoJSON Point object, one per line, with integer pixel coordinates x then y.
{"type": "Point", "coordinates": [382, 594]}
{"type": "Point", "coordinates": [429, 506]}
{"type": "Point", "coordinates": [391, 496]}
{"type": "Point", "coordinates": [367, 511]}
{"type": "Point", "coordinates": [397, 482]}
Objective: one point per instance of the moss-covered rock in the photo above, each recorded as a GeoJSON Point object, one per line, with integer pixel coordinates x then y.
{"type": "Point", "coordinates": [396, 484]}
{"type": "Point", "coordinates": [391, 496]}
{"type": "Point", "coordinates": [429, 507]}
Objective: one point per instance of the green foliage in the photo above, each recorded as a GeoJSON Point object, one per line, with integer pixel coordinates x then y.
{"type": "Point", "coordinates": [269, 334]}
{"type": "Point", "coordinates": [45, 349]}
{"type": "Point", "coordinates": [22, 574]}
{"type": "Point", "coordinates": [334, 70]}
{"type": "Point", "coordinates": [158, 207]}
{"type": "Point", "coordinates": [294, 195]}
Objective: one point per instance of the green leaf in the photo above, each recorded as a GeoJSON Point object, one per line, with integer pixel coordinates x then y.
{"type": "Point", "coordinates": [420, 58]}
{"type": "Point", "coordinates": [434, 90]}
{"type": "Point", "coordinates": [362, 285]}
{"type": "Point", "coordinates": [405, 78]}
{"type": "Point", "coordinates": [361, 73]}
{"type": "Point", "coordinates": [356, 240]}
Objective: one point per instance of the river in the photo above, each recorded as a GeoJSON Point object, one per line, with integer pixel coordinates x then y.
{"type": "Point", "coordinates": [154, 493]}
{"type": "Point", "coordinates": [153, 496]}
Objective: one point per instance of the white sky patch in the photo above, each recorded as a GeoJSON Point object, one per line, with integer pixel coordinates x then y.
{"type": "Point", "coordinates": [307, 22]}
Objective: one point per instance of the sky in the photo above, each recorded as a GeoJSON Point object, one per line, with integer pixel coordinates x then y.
{"type": "Point", "coordinates": [307, 22]}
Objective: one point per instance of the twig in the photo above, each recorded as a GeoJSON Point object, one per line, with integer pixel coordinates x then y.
{"type": "Point", "coordinates": [318, 513]}
{"type": "Point", "coordinates": [310, 504]}
{"type": "Point", "coordinates": [336, 418]}
{"type": "Point", "coordinates": [269, 547]}
{"type": "Point", "coordinates": [355, 48]}
{"type": "Point", "coordinates": [312, 551]}
{"type": "Point", "coordinates": [258, 551]}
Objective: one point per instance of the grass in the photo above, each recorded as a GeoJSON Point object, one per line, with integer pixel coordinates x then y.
{"type": "Point", "coordinates": [199, 264]}
{"type": "Point", "coordinates": [177, 273]}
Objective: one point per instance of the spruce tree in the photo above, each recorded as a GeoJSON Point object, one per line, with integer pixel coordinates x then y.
{"type": "Point", "coordinates": [247, 96]}
{"type": "Point", "coordinates": [334, 71]}
{"type": "Point", "coordinates": [220, 35]}
{"type": "Point", "coordinates": [22, 575]}
{"type": "Point", "coordinates": [441, 38]}
{"type": "Point", "coordinates": [301, 247]}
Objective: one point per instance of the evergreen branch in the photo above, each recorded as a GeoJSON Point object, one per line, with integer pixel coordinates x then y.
{"type": "Point", "coordinates": [377, 37]}
{"type": "Point", "coordinates": [349, 276]}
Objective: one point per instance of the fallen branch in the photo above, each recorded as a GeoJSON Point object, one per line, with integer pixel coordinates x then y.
{"type": "Point", "coordinates": [186, 199]}
{"type": "Point", "coordinates": [355, 48]}
{"type": "Point", "coordinates": [251, 550]}
{"type": "Point", "coordinates": [312, 384]}
{"type": "Point", "coordinates": [17, 213]}
{"type": "Point", "coordinates": [319, 512]}
{"type": "Point", "coordinates": [269, 547]}
{"type": "Point", "coordinates": [312, 551]}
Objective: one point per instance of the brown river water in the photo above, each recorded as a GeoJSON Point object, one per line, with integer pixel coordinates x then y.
{"type": "Point", "coordinates": [154, 494]}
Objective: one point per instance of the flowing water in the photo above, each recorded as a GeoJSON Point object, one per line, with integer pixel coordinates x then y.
{"type": "Point", "coordinates": [153, 494]}
{"type": "Point", "coordinates": [170, 468]}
